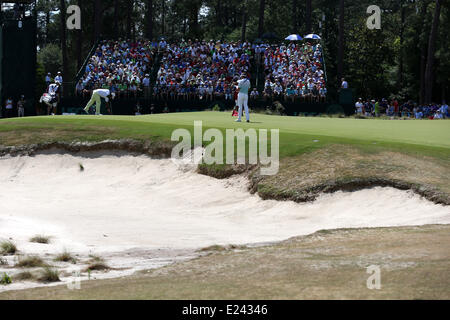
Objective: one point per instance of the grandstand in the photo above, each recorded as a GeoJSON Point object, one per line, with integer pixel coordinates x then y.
{"type": "Point", "coordinates": [194, 76]}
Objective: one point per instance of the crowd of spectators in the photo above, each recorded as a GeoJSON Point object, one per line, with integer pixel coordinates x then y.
{"type": "Point", "coordinates": [409, 109]}
{"type": "Point", "coordinates": [122, 66]}
{"type": "Point", "coordinates": [191, 70]}
{"type": "Point", "coordinates": [294, 71]}
{"type": "Point", "coordinates": [196, 69]}
{"type": "Point", "coordinates": [202, 70]}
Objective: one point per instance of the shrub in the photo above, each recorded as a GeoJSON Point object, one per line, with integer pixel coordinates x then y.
{"type": "Point", "coordinates": [279, 108]}
{"type": "Point", "coordinates": [97, 264]}
{"type": "Point", "coordinates": [66, 257]}
{"type": "Point", "coordinates": [7, 248]}
{"type": "Point", "coordinates": [49, 275]}
{"type": "Point", "coordinates": [31, 262]}
{"type": "Point", "coordinates": [40, 239]}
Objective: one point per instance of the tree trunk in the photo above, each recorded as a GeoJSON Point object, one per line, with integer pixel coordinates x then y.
{"type": "Point", "coordinates": [402, 38]}
{"type": "Point", "coordinates": [116, 19]}
{"type": "Point", "coordinates": [308, 16]}
{"type": "Point", "coordinates": [47, 23]}
{"type": "Point", "coordinates": [98, 19]}
{"type": "Point", "coordinates": [150, 19]}
{"type": "Point", "coordinates": [423, 55]}
{"type": "Point", "coordinates": [262, 8]}
{"type": "Point", "coordinates": [429, 76]}
{"type": "Point", "coordinates": [218, 12]}
{"type": "Point", "coordinates": [244, 21]}
{"type": "Point", "coordinates": [62, 8]}
{"type": "Point", "coordinates": [340, 71]}
{"type": "Point", "coordinates": [194, 8]}
{"type": "Point", "coordinates": [80, 43]}
{"type": "Point", "coordinates": [163, 17]}
{"type": "Point", "coordinates": [129, 16]}
{"type": "Point", "coordinates": [295, 16]}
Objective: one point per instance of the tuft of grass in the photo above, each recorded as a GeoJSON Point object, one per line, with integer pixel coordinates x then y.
{"type": "Point", "coordinates": [66, 257]}
{"type": "Point", "coordinates": [81, 167]}
{"type": "Point", "coordinates": [96, 264]}
{"type": "Point", "coordinates": [31, 262]}
{"type": "Point", "coordinates": [26, 275]}
{"type": "Point", "coordinates": [48, 275]}
{"type": "Point", "coordinates": [40, 239]}
{"type": "Point", "coordinates": [7, 247]}
{"type": "Point", "coordinates": [5, 279]}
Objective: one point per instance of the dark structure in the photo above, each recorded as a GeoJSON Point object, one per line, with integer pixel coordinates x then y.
{"type": "Point", "coordinates": [18, 24]}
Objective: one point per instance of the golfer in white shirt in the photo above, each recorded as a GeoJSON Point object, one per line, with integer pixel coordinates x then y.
{"type": "Point", "coordinates": [244, 86]}
{"type": "Point", "coordinates": [96, 99]}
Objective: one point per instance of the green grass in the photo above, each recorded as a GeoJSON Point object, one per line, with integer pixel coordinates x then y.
{"type": "Point", "coordinates": [5, 279]}
{"type": "Point", "coordinates": [297, 134]}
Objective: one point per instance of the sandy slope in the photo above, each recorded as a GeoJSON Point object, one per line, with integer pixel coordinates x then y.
{"type": "Point", "coordinates": [126, 204]}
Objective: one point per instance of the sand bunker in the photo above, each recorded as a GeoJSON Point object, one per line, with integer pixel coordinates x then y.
{"type": "Point", "coordinates": [113, 204]}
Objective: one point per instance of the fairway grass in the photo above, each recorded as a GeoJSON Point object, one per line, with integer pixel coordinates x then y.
{"type": "Point", "coordinates": [297, 131]}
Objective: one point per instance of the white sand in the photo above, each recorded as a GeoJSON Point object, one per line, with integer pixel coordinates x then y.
{"type": "Point", "coordinates": [122, 205]}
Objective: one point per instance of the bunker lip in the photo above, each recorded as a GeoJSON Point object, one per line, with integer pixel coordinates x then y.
{"type": "Point", "coordinates": [163, 150]}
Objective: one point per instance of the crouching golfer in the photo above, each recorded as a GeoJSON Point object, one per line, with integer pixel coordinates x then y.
{"type": "Point", "coordinates": [243, 86]}
{"type": "Point", "coordinates": [96, 98]}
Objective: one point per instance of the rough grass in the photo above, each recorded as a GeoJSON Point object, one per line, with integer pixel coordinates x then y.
{"type": "Point", "coordinates": [335, 166]}
{"type": "Point", "coordinates": [414, 263]}
{"type": "Point", "coordinates": [66, 257]}
{"type": "Point", "coordinates": [40, 239]}
{"type": "Point", "coordinates": [30, 262]}
{"type": "Point", "coordinates": [96, 263]}
{"type": "Point", "coordinates": [7, 247]}
{"type": "Point", "coordinates": [23, 276]}
{"type": "Point", "coordinates": [49, 275]}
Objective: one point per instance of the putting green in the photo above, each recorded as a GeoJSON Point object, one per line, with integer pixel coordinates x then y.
{"type": "Point", "coordinates": [296, 133]}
